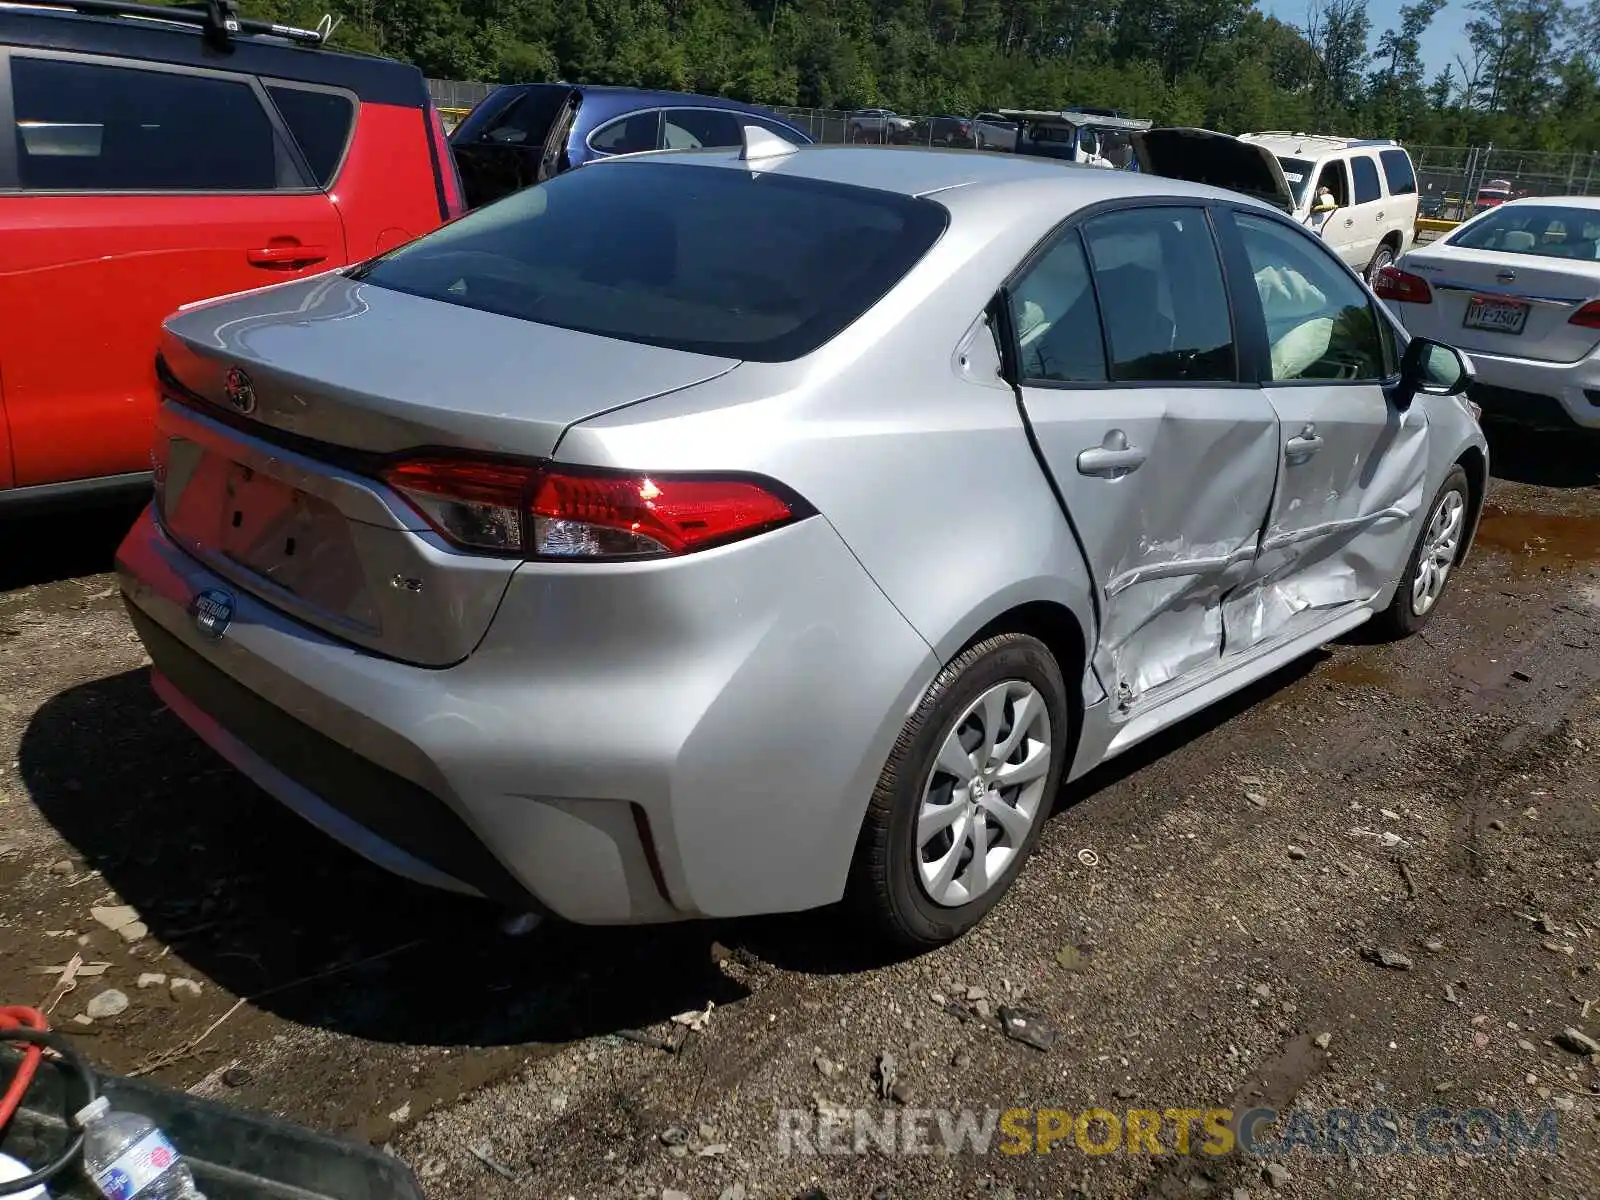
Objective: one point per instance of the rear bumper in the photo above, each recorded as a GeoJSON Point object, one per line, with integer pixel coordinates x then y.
{"type": "Point", "coordinates": [637, 743]}
{"type": "Point", "coordinates": [1542, 395]}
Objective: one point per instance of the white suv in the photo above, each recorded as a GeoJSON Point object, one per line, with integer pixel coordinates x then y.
{"type": "Point", "coordinates": [1374, 190]}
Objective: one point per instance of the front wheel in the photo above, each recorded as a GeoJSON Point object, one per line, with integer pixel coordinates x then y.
{"type": "Point", "coordinates": [965, 793]}
{"type": "Point", "coordinates": [1439, 547]}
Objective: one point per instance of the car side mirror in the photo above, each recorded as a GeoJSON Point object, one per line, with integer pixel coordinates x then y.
{"type": "Point", "coordinates": [1430, 368]}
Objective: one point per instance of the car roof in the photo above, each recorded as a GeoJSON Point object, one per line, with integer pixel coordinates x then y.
{"type": "Point", "coordinates": [374, 79]}
{"type": "Point", "coordinates": [642, 97]}
{"type": "Point", "coordinates": [1589, 202]}
{"type": "Point", "coordinates": [918, 171]}
{"type": "Point", "coordinates": [1309, 145]}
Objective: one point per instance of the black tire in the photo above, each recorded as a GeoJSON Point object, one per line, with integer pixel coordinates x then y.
{"type": "Point", "coordinates": [1400, 619]}
{"type": "Point", "coordinates": [883, 886]}
{"type": "Point", "coordinates": [1382, 257]}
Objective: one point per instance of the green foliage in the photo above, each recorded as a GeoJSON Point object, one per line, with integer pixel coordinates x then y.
{"type": "Point", "coordinates": [1532, 77]}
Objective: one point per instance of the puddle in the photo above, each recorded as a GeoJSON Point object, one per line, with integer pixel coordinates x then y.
{"type": "Point", "coordinates": [1349, 671]}
{"type": "Point", "coordinates": [1342, 673]}
{"type": "Point", "coordinates": [1548, 541]}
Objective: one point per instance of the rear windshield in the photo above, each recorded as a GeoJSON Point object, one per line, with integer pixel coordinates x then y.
{"type": "Point", "coordinates": [1550, 231]}
{"type": "Point", "coordinates": [697, 258]}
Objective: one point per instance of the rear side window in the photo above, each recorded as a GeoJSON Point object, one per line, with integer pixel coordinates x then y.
{"type": "Point", "coordinates": [698, 128]}
{"type": "Point", "coordinates": [87, 127]}
{"type": "Point", "coordinates": [632, 134]}
{"type": "Point", "coordinates": [320, 122]}
{"type": "Point", "coordinates": [772, 127]}
{"type": "Point", "coordinates": [695, 258]}
{"type": "Point", "coordinates": [1161, 295]}
{"type": "Point", "coordinates": [1397, 172]}
{"type": "Point", "coordinates": [1365, 173]}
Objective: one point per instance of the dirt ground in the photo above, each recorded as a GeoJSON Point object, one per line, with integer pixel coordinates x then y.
{"type": "Point", "coordinates": [1437, 800]}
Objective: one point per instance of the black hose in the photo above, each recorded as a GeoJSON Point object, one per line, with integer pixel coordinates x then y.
{"type": "Point", "coordinates": [77, 1065]}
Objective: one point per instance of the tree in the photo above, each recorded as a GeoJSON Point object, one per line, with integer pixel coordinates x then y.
{"type": "Point", "coordinates": [1337, 33]}
{"type": "Point", "coordinates": [1530, 75]}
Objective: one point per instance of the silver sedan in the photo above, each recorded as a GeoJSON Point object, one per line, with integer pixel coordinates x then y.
{"type": "Point", "coordinates": [731, 532]}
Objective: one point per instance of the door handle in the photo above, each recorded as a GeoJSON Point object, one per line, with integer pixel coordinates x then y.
{"type": "Point", "coordinates": [294, 255]}
{"type": "Point", "coordinates": [1349, 221]}
{"type": "Point", "coordinates": [1304, 444]}
{"type": "Point", "coordinates": [1112, 458]}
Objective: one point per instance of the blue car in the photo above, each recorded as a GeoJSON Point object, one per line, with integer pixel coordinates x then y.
{"type": "Point", "coordinates": [525, 133]}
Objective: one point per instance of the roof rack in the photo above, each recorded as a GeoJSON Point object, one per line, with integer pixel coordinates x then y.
{"type": "Point", "coordinates": [1033, 116]}
{"type": "Point", "coordinates": [218, 20]}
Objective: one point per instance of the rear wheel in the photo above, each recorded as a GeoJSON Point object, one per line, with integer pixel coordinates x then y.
{"type": "Point", "coordinates": [1381, 258]}
{"type": "Point", "coordinates": [965, 793]}
{"type": "Point", "coordinates": [1440, 543]}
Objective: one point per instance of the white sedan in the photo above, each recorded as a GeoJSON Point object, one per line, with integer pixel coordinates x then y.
{"type": "Point", "coordinates": [1518, 288]}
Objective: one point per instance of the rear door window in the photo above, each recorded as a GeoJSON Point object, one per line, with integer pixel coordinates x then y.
{"type": "Point", "coordinates": [88, 127]}
{"type": "Point", "coordinates": [1056, 318]}
{"type": "Point", "coordinates": [320, 122]}
{"type": "Point", "coordinates": [699, 128]}
{"type": "Point", "coordinates": [1161, 295]}
{"type": "Point", "coordinates": [696, 258]}
{"type": "Point", "coordinates": [1398, 173]}
{"type": "Point", "coordinates": [1365, 173]}
{"type": "Point", "coordinates": [634, 133]}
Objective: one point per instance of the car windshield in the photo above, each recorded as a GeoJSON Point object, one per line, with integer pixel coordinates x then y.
{"type": "Point", "coordinates": [1547, 230]}
{"type": "Point", "coordinates": [703, 259]}
{"type": "Point", "coordinates": [1298, 172]}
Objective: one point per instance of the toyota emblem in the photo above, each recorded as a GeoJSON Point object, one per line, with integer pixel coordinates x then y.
{"type": "Point", "coordinates": [1506, 275]}
{"type": "Point", "coordinates": [240, 391]}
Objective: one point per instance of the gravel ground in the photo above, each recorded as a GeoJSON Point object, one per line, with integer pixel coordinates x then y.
{"type": "Point", "coordinates": [1437, 800]}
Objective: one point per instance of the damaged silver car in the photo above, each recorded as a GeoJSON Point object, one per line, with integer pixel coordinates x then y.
{"type": "Point", "coordinates": [730, 532]}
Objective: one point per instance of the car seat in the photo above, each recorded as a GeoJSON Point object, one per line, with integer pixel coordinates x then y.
{"type": "Point", "coordinates": [1130, 300]}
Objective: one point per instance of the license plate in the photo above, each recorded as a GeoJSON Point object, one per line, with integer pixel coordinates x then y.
{"type": "Point", "coordinates": [1501, 316]}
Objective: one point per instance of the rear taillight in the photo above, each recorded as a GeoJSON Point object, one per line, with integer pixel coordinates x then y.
{"type": "Point", "coordinates": [1394, 284]}
{"type": "Point", "coordinates": [545, 511]}
{"type": "Point", "coordinates": [455, 202]}
{"type": "Point", "coordinates": [1588, 316]}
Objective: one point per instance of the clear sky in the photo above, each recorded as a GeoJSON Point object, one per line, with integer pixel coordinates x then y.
{"type": "Point", "coordinates": [1445, 38]}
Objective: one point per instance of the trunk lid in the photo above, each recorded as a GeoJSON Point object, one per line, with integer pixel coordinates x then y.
{"type": "Point", "coordinates": [373, 369]}
{"type": "Point", "coordinates": [1539, 292]}
{"type": "Point", "coordinates": [283, 403]}
{"type": "Point", "coordinates": [1218, 159]}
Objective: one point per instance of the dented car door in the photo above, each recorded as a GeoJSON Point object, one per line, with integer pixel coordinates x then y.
{"type": "Point", "coordinates": [1124, 357]}
{"type": "Point", "coordinates": [1353, 471]}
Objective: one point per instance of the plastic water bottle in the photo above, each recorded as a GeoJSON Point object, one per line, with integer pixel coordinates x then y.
{"type": "Point", "coordinates": [127, 1156]}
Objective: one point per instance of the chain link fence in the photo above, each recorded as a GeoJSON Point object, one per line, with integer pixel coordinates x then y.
{"type": "Point", "coordinates": [454, 98]}
{"type": "Point", "coordinates": [1456, 181]}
